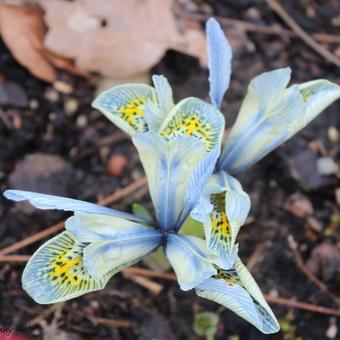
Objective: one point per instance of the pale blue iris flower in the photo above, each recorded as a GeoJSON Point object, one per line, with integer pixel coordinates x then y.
{"type": "Point", "coordinates": [180, 148]}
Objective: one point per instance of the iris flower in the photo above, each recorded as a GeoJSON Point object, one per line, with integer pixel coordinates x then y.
{"type": "Point", "coordinates": [188, 175]}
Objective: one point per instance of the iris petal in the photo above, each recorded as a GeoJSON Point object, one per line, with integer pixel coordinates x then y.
{"type": "Point", "coordinates": [44, 201]}
{"type": "Point", "coordinates": [271, 114]}
{"type": "Point", "coordinates": [237, 290]}
{"type": "Point", "coordinates": [84, 257]}
{"type": "Point", "coordinates": [195, 118]}
{"type": "Point", "coordinates": [317, 94]}
{"type": "Point", "coordinates": [104, 257]}
{"type": "Point", "coordinates": [168, 166]}
{"type": "Point", "coordinates": [164, 93]}
{"type": "Point", "coordinates": [222, 209]}
{"type": "Point", "coordinates": [113, 243]}
{"type": "Point", "coordinates": [91, 227]}
{"type": "Point", "coordinates": [220, 53]}
{"type": "Point", "coordinates": [124, 106]}
{"type": "Point", "coordinates": [56, 271]}
{"type": "Point", "coordinates": [189, 258]}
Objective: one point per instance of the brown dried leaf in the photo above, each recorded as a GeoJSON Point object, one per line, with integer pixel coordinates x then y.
{"type": "Point", "coordinates": [23, 31]}
{"type": "Point", "coordinates": [117, 39]}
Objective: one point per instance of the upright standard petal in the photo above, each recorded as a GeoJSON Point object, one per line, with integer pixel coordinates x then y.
{"type": "Point", "coordinates": [154, 113]}
{"type": "Point", "coordinates": [124, 106]}
{"type": "Point", "coordinates": [222, 209]}
{"type": "Point", "coordinates": [180, 158]}
{"type": "Point", "coordinates": [237, 290]}
{"type": "Point", "coordinates": [270, 114]}
{"type": "Point", "coordinates": [190, 259]}
{"type": "Point", "coordinates": [56, 271]}
{"type": "Point", "coordinates": [219, 53]}
{"type": "Point", "coordinates": [164, 93]}
{"type": "Point", "coordinates": [44, 201]}
{"type": "Point", "coordinates": [168, 166]}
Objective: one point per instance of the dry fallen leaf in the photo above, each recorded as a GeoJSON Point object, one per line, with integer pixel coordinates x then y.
{"type": "Point", "coordinates": [23, 31]}
{"type": "Point", "coordinates": [117, 39]}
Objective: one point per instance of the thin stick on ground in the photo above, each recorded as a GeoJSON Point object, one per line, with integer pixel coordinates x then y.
{"type": "Point", "coordinates": [45, 313]}
{"type": "Point", "coordinates": [150, 273]}
{"type": "Point", "coordinates": [60, 225]}
{"type": "Point", "coordinates": [111, 322]}
{"type": "Point", "coordinates": [302, 305]}
{"type": "Point", "coordinates": [283, 14]}
{"type": "Point", "coordinates": [256, 257]}
{"type": "Point", "coordinates": [154, 287]}
{"type": "Point", "coordinates": [14, 258]}
{"type": "Point", "coordinates": [262, 29]}
{"type": "Point", "coordinates": [273, 299]}
{"type": "Point", "coordinates": [299, 262]}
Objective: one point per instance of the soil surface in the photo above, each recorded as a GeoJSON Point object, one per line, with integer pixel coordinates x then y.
{"type": "Point", "coordinates": [56, 143]}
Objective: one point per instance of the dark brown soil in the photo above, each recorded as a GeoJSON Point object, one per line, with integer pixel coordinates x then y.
{"type": "Point", "coordinates": [43, 127]}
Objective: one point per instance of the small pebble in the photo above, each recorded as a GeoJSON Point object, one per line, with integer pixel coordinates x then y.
{"type": "Point", "coordinates": [94, 304]}
{"type": "Point", "coordinates": [52, 116]}
{"type": "Point", "coordinates": [333, 134]}
{"type": "Point", "coordinates": [51, 95]}
{"type": "Point", "coordinates": [34, 104]}
{"type": "Point", "coordinates": [71, 106]}
{"type": "Point", "coordinates": [326, 166]}
{"type": "Point", "coordinates": [62, 87]}
{"type": "Point", "coordinates": [104, 153]}
{"type": "Point", "coordinates": [332, 330]}
{"type": "Point", "coordinates": [253, 13]}
{"type": "Point", "coordinates": [81, 121]}
{"type": "Point", "coordinates": [116, 165]}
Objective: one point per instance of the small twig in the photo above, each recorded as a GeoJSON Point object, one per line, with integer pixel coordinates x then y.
{"type": "Point", "coordinates": [299, 262]}
{"type": "Point", "coordinates": [256, 28]}
{"type": "Point", "coordinates": [114, 138]}
{"type": "Point", "coordinates": [128, 271]}
{"type": "Point", "coordinates": [123, 192]}
{"type": "Point", "coordinates": [112, 323]}
{"type": "Point", "coordinates": [60, 225]}
{"type": "Point", "coordinates": [273, 299]}
{"type": "Point", "coordinates": [28, 310]}
{"type": "Point", "coordinates": [283, 14]}
{"type": "Point", "coordinates": [302, 305]}
{"type": "Point", "coordinates": [7, 122]}
{"type": "Point", "coordinates": [150, 273]}
{"type": "Point", "coordinates": [256, 256]}
{"type": "Point", "coordinates": [14, 258]}
{"type": "Point", "coordinates": [153, 287]}
{"type": "Point", "coordinates": [46, 312]}
{"type": "Point", "coordinates": [33, 238]}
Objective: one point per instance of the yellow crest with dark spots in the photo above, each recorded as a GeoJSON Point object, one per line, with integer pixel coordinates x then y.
{"type": "Point", "coordinates": [56, 271]}
{"type": "Point", "coordinates": [195, 118]}
{"type": "Point", "coordinates": [230, 276]}
{"type": "Point", "coordinates": [133, 113]}
{"type": "Point", "coordinates": [220, 226]}
{"type": "Point", "coordinates": [189, 125]}
{"type": "Point", "coordinates": [124, 106]}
